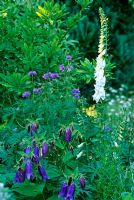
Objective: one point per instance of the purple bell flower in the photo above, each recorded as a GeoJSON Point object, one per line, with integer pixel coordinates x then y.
{"type": "Point", "coordinates": [108, 128]}
{"type": "Point", "coordinates": [44, 149]}
{"type": "Point", "coordinates": [34, 128]}
{"type": "Point", "coordinates": [68, 57]}
{"type": "Point", "coordinates": [82, 182]}
{"type": "Point", "coordinates": [68, 134]}
{"type": "Point", "coordinates": [27, 150]}
{"type": "Point", "coordinates": [43, 173]}
{"type": "Point", "coordinates": [46, 76]}
{"type": "Point", "coordinates": [63, 190]}
{"type": "Point", "coordinates": [76, 93]}
{"type": "Point", "coordinates": [62, 68]}
{"type": "Point", "coordinates": [69, 68]}
{"type": "Point", "coordinates": [28, 169]}
{"type": "Point", "coordinates": [70, 192]}
{"type": "Point", "coordinates": [32, 73]}
{"type": "Point", "coordinates": [37, 90]}
{"type": "Point", "coordinates": [19, 176]}
{"type": "Point", "coordinates": [26, 94]}
{"type": "Point", "coordinates": [54, 75]}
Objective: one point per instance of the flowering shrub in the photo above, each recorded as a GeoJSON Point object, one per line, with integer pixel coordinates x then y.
{"type": "Point", "coordinates": [55, 145]}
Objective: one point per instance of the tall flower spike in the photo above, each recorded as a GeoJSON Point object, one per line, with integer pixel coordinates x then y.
{"type": "Point", "coordinates": [100, 79]}
{"type": "Point", "coordinates": [63, 190]}
{"type": "Point", "coordinates": [28, 169]}
{"type": "Point", "coordinates": [43, 173]}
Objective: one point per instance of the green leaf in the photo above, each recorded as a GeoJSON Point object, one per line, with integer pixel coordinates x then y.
{"type": "Point", "coordinates": [29, 189]}
{"type": "Point", "coordinates": [53, 171]}
{"type": "Point", "coordinates": [68, 155]}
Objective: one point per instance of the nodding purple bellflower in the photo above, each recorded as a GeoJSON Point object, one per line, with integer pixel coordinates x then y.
{"type": "Point", "coordinates": [63, 190]}
{"type": "Point", "coordinates": [43, 173]}
{"type": "Point", "coordinates": [28, 169]}
{"type": "Point", "coordinates": [68, 135]}
{"type": "Point", "coordinates": [62, 68]}
{"type": "Point", "coordinates": [36, 155]}
{"type": "Point", "coordinates": [70, 192]}
{"type": "Point", "coordinates": [50, 75]}
{"type": "Point", "coordinates": [32, 73]}
{"type": "Point", "coordinates": [19, 176]}
{"type": "Point", "coordinates": [27, 150]}
{"type": "Point", "coordinates": [37, 90]}
{"type": "Point", "coordinates": [68, 57]}
{"type": "Point", "coordinates": [26, 94]}
{"type": "Point", "coordinates": [44, 149]}
{"type": "Point", "coordinates": [76, 93]}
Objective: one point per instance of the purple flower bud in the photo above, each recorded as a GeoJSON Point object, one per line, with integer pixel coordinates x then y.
{"type": "Point", "coordinates": [107, 128]}
{"type": "Point", "coordinates": [32, 73]}
{"type": "Point", "coordinates": [34, 128]}
{"type": "Point", "coordinates": [62, 68]}
{"type": "Point", "coordinates": [34, 144]}
{"type": "Point", "coordinates": [28, 169]}
{"type": "Point", "coordinates": [82, 182]}
{"type": "Point", "coordinates": [44, 149]}
{"type": "Point", "coordinates": [26, 94]}
{"type": "Point", "coordinates": [43, 173]}
{"type": "Point", "coordinates": [68, 57]}
{"type": "Point", "coordinates": [19, 176]}
{"type": "Point", "coordinates": [63, 190]}
{"type": "Point", "coordinates": [37, 151]}
{"type": "Point", "coordinates": [37, 90]}
{"type": "Point", "coordinates": [68, 134]}
{"type": "Point", "coordinates": [27, 150]}
{"type": "Point", "coordinates": [70, 192]}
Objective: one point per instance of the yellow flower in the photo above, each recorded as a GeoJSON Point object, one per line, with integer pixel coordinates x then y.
{"type": "Point", "coordinates": [40, 15]}
{"type": "Point", "coordinates": [43, 11]}
{"type": "Point", "coordinates": [91, 112]}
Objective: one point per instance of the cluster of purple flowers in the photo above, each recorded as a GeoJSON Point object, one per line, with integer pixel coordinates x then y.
{"type": "Point", "coordinates": [50, 75]}
{"type": "Point", "coordinates": [27, 173]}
{"type": "Point", "coordinates": [67, 191]}
{"type": "Point", "coordinates": [30, 161]}
{"type": "Point", "coordinates": [76, 93]}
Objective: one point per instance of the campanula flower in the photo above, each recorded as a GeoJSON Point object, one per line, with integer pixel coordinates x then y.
{"type": "Point", "coordinates": [68, 57]}
{"type": "Point", "coordinates": [36, 156]}
{"type": "Point", "coordinates": [34, 127]}
{"type": "Point", "coordinates": [68, 135]}
{"type": "Point", "coordinates": [28, 169]}
{"type": "Point", "coordinates": [62, 68]}
{"type": "Point", "coordinates": [69, 68]}
{"type": "Point", "coordinates": [50, 75]}
{"type": "Point", "coordinates": [76, 93]}
{"type": "Point", "coordinates": [43, 173]}
{"type": "Point", "coordinates": [108, 128]}
{"type": "Point", "coordinates": [32, 73]}
{"type": "Point", "coordinates": [19, 176]}
{"type": "Point", "coordinates": [82, 182]}
{"type": "Point", "coordinates": [63, 190]}
{"type": "Point", "coordinates": [70, 192]}
{"type": "Point", "coordinates": [37, 90]}
{"type": "Point", "coordinates": [27, 150]}
{"type": "Point", "coordinates": [44, 149]}
{"type": "Point", "coordinates": [26, 94]}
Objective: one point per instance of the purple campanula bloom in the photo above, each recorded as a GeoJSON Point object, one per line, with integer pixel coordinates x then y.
{"type": "Point", "coordinates": [54, 75]}
{"type": "Point", "coordinates": [76, 93]}
{"type": "Point", "coordinates": [37, 90]}
{"type": "Point", "coordinates": [44, 149]}
{"type": "Point", "coordinates": [68, 57]}
{"type": "Point", "coordinates": [19, 176]}
{"type": "Point", "coordinates": [34, 144]}
{"type": "Point", "coordinates": [34, 128]}
{"type": "Point", "coordinates": [69, 68]}
{"type": "Point", "coordinates": [36, 155]}
{"type": "Point", "coordinates": [28, 169]}
{"type": "Point", "coordinates": [46, 76]}
{"type": "Point", "coordinates": [43, 173]}
{"type": "Point", "coordinates": [32, 73]}
{"type": "Point", "coordinates": [82, 182]}
{"type": "Point", "coordinates": [70, 192]}
{"type": "Point", "coordinates": [27, 150]}
{"type": "Point", "coordinates": [26, 94]}
{"type": "Point", "coordinates": [68, 134]}
{"type": "Point", "coordinates": [63, 190]}
{"type": "Point", "coordinates": [62, 68]}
